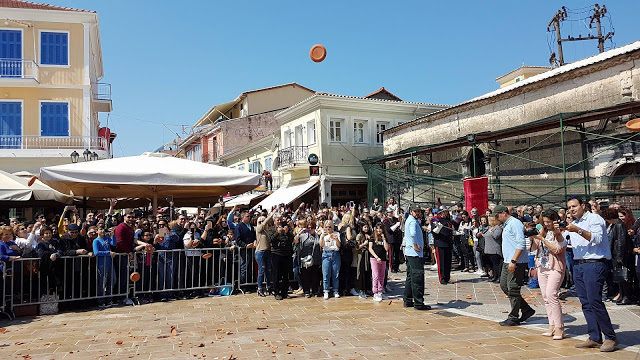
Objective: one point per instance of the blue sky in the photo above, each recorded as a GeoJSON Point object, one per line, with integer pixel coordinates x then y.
{"type": "Point", "coordinates": [169, 61]}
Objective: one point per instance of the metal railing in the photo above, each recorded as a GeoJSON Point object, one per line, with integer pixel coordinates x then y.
{"type": "Point", "coordinates": [18, 69]}
{"type": "Point", "coordinates": [3, 287]}
{"type": "Point", "coordinates": [293, 155]}
{"type": "Point", "coordinates": [101, 91]}
{"type": "Point", "coordinates": [55, 142]}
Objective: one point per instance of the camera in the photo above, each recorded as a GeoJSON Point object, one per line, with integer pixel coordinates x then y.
{"type": "Point", "coordinates": [530, 232]}
{"type": "Point", "coordinates": [563, 224]}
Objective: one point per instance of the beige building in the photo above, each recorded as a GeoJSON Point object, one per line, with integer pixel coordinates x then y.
{"type": "Point", "coordinates": [522, 73]}
{"type": "Point", "coordinates": [338, 131]}
{"type": "Point", "coordinates": [50, 90]}
{"type": "Point", "coordinates": [235, 124]}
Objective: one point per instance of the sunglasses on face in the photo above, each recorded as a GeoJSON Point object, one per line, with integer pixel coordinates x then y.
{"type": "Point", "coordinates": [129, 217]}
{"type": "Point", "coordinates": [162, 224]}
{"type": "Point", "coordinates": [23, 229]}
{"type": "Point", "coordinates": [92, 233]}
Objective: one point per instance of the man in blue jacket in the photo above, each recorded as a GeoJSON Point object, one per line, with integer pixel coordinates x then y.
{"type": "Point", "coordinates": [245, 236]}
{"type": "Point", "coordinates": [413, 251]}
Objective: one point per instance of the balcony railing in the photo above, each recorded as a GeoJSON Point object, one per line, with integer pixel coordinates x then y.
{"type": "Point", "coordinates": [18, 69]}
{"type": "Point", "coordinates": [293, 155]}
{"type": "Point", "coordinates": [33, 142]}
{"type": "Point", "coordinates": [101, 91]}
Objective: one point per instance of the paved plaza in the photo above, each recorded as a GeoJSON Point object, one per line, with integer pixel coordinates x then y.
{"type": "Point", "coordinates": [461, 326]}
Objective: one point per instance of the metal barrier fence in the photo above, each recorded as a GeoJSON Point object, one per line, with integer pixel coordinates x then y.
{"type": "Point", "coordinates": [48, 281]}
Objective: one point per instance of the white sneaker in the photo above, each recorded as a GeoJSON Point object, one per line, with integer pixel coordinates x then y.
{"type": "Point", "coordinates": [481, 273]}
{"type": "Point", "coordinates": [336, 295]}
{"type": "Point", "coordinates": [434, 267]}
{"type": "Point", "coordinates": [326, 295]}
{"type": "Point", "coordinates": [377, 297]}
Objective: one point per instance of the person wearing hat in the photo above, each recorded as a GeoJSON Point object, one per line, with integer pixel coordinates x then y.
{"type": "Point", "coordinates": [413, 251]}
{"type": "Point", "coordinates": [514, 251]}
{"type": "Point", "coordinates": [71, 244]}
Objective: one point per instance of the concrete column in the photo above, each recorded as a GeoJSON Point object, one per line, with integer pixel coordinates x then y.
{"type": "Point", "coordinates": [325, 190]}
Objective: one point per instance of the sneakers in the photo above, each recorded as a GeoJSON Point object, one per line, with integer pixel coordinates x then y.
{"type": "Point", "coordinates": [377, 297]}
{"type": "Point", "coordinates": [326, 295]}
{"type": "Point", "coordinates": [589, 344]}
{"type": "Point", "coordinates": [387, 289]}
{"type": "Point", "coordinates": [362, 295]}
{"type": "Point", "coordinates": [336, 295]}
{"type": "Point", "coordinates": [278, 297]}
{"type": "Point", "coordinates": [299, 291]}
{"type": "Point", "coordinates": [261, 293]}
{"type": "Point", "coordinates": [527, 314]}
{"type": "Point", "coordinates": [353, 292]}
{"type": "Point", "coordinates": [609, 345]}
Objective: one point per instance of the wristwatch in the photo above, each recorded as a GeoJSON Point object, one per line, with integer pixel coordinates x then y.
{"type": "Point", "coordinates": [580, 232]}
{"type": "Point", "coordinates": [513, 261]}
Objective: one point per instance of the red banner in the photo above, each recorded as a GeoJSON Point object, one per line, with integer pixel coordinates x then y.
{"type": "Point", "coordinates": [476, 193]}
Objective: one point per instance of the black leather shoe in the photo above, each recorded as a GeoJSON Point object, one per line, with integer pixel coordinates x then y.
{"type": "Point", "coordinates": [509, 322]}
{"type": "Point", "coordinates": [624, 301]}
{"type": "Point", "coordinates": [408, 305]}
{"type": "Point", "coordinates": [422, 307]}
{"type": "Point", "coordinates": [527, 314]}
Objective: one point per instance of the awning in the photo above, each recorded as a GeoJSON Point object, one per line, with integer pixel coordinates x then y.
{"type": "Point", "coordinates": [287, 195]}
{"type": "Point", "coordinates": [214, 113]}
{"type": "Point", "coordinates": [244, 199]}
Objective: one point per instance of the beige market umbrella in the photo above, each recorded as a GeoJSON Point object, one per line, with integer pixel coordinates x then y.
{"type": "Point", "coordinates": [150, 175]}
{"type": "Point", "coordinates": [17, 188]}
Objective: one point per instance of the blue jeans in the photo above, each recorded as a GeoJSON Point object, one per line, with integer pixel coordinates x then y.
{"type": "Point", "coordinates": [533, 282]}
{"type": "Point", "coordinates": [569, 257]}
{"type": "Point", "coordinates": [263, 258]}
{"type": "Point", "coordinates": [296, 270]}
{"type": "Point", "coordinates": [330, 269]}
{"type": "Point", "coordinates": [106, 274]}
{"type": "Point", "coordinates": [589, 280]}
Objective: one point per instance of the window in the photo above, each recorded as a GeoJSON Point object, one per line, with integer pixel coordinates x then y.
{"type": "Point", "coordinates": [359, 132]}
{"type": "Point", "coordinates": [287, 139]}
{"type": "Point", "coordinates": [267, 163]}
{"type": "Point", "coordinates": [11, 49]}
{"type": "Point", "coordinates": [255, 167]}
{"type": "Point", "coordinates": [241, 167]}
{"type": "Point", "coordinates": [54, 48]}
{"type": "Point", "coordinates": [335, 130]}
{"type": "Point", "coordinates": [197, 153]}
{"type": "Point", "coordinates": [380, 127]}
{"type": "Point", "coordinates": [54, 119]}
{"type": "Point", "coordinates": [10, 124]}
{"type": "Point", "coordinates": [311, 132]}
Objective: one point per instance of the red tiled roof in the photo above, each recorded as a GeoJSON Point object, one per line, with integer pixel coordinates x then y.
{"type": "Point", "coordinates": [383, 90]}
{"type": "Point", "coordinates": [20, 4]}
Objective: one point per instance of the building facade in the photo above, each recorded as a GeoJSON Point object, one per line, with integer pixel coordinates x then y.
{"type": "Point", "coordinates": [50, 89]}
{"type": "Point", "coordinates": [337, 132]}
{"type": "Point", "coordinates": [556, 134]}
{"type": "Point", "coordinates": [248, 118]}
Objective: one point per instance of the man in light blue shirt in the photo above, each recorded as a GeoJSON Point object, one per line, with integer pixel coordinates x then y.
{"type": "Point", "coordinates": [514, 251]}
{"type": "Point", "coordinates": [591, 251]}
{"type": "Point", "coordinates": [413, 251]}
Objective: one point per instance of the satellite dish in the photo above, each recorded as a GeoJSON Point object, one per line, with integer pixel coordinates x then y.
{"type": "Point", "coordinates": [275, 143]}
{"type": "Point", "coordinates": [276, 162]}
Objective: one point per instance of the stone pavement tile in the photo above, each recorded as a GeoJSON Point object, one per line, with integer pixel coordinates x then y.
{"type": "Point", "coordinates": [492, 349]}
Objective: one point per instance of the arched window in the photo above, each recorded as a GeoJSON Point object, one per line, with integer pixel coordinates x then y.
{"type": "Point", "coordinates": [476, 162]}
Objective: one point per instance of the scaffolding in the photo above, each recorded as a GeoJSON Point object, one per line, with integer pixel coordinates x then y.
{"type": "Point", "coordinates": [588, 154]}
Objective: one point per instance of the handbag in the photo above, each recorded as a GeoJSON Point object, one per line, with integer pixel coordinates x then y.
{"type": "Point", "coordinates": [533, 272]}
{"type": "Point", "coordinates": [307, 261]}
{"type": "Point", "coordinates": [621, 274]}
{"type": "Point", "coordinates": [437, 228]}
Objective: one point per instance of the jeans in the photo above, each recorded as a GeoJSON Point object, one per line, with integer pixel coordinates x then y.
{"type": "Point", "coordinates": [296, 270]}
{"type": "Point", "coordinates": [414, 285]}
{"type": "Point", "coordinates": [589, 279]}
{"type": "Point", "coordinates": [330, 270]}
{"type": "Point", "coordinates": [106, 274]}
{"type": "Point", "coordinates": [263, 258]}
{"type": "Point", "coordinates": [533, 282]}
{"type": "Point", "coordinates": [510, 283]}
{"type": "Point", "coordinates": [569, 256]}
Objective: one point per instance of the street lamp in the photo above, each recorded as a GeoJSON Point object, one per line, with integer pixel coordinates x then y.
{"type": "Point", "coordinates": [86, 154]}
{"type": "Point", "coordinates": [94, 156]}
{"type": "Point", "coordinates": [398, 187]}
{"type": "Point", "coordinates": [74, 156]}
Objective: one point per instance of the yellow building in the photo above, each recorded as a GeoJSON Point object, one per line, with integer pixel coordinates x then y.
{"type": "Point", "coordinates": [519, 74]}
{"type": "Point", "coordinates": [50, 94]}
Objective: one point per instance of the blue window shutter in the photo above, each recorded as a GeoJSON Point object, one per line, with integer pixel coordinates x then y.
{"type": "Point", "coordinates": [54, 118]}
{"type": "Point", "coordinates": [54, 48]}
{"type": "Point", "coordinates": [10, 125]}
{"type": "Point", "coordinates": [11, 49]}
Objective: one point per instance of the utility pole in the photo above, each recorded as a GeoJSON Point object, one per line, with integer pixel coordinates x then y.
{"type": "Point", "coordinates": [561, 15]}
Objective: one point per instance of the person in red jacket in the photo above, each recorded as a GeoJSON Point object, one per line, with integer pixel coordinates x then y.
{"type": "Point", "coordinates": [124, 245]}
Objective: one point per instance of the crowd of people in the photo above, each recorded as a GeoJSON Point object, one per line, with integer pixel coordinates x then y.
{"type": "Point", "coordinates": [589, 249]}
